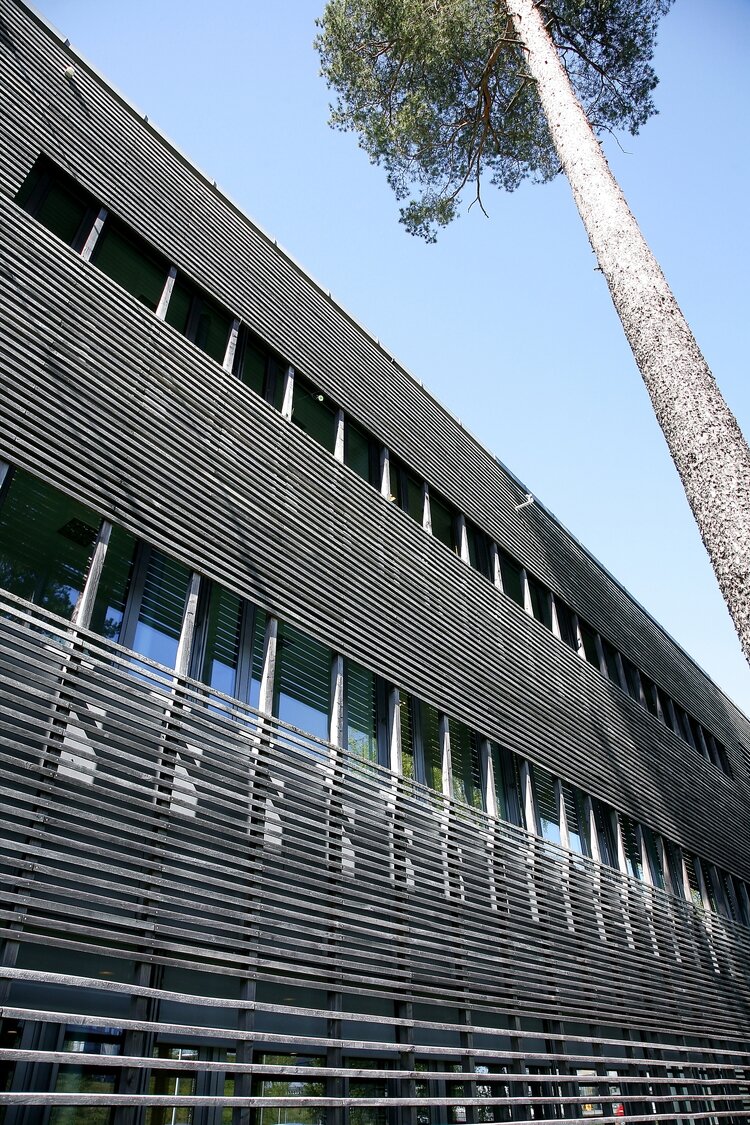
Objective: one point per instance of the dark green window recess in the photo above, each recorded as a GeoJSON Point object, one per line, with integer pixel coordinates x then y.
{"type": "Point", "coordinates": [610, 662]}
{"type": "Point", "coordinates": [590, 647]}
{"type": "Point", "coordinates": [631, 847]}
{"type": "Point", "coordinates": [314, 413]}
{"type": "Point", "coordinates": [567, 624]}
{"type": "Point", "coordinates": [302, 691]}
{"type": "Point", "coordinates": [131, 262]}
{"type": "Point", "coordinates": [541, 602]}
{"type": "Point", "coordinates": [605, 833]}
{"type": "Point", "coordinates": [576, 818]}
{"type": "Point", "coordinates": [632, 679]}
{"type": "Point", "coordinates": [46, 543]}
{"type": "Point", "coordinates": [259, 368]}
{"type": "Point", "coordinates": [407, 706]}
{"type": "Point", "coordinates": [362, 453]}
{"type": "Point", "coordinates": [431, 749]}
{"type": "Point", "coordinates": [197, 316]}
{"type": "Point", "coordinates": [443, 518]}
{"type": "Point", "coordinates": [480, 555]}
{"type": "Point", "coordinates": [512, 577]}
{"type": "Point", "coordinates": [58, 202]}
{"type": "Point", "coordinates": [406, 489]}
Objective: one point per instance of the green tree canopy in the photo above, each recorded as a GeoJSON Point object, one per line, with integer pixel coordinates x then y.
{"type": "Point", "coordinates": [440, 94]}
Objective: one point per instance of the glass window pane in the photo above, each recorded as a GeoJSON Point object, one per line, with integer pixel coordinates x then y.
{"type": "Point", "coordinates": [130, 262]}
{"type": "Point", "coordinates": [479, 550]}
{"type": "Point", "coordinates": [541, 606]}
{"type": "Point", "coordinates": [407, 735]}
{"type": "Point", "coordinates": [610, 661]}
{"type": "Point", "coordinates": [180, 302]}
{"type": "Point", "coordinates": [604, 831]}
{"type": "Point", "coordinates": [361, 712]}
{"type": "Point", "coordinates": [210, 330]}
{"type": "Point", "coordinates": [548, 813]}
{"type": "Point", "coordinates": [221, 641]}
{"type": "Point", "coordinates": [314, 413]}
{"type": "Point", "coordinates": [510, 572]}
{"type": "Point", "coordinates": [631, 846]}
{"type": "Point", "coordinates": [507, 784]}
{"type": "Point", "coordinates": [162, 604]}
{"type": "Point", "coordinates": [360, 454]}
{"type": "Point", "coordinates": [632, 679]}
{"type": "Point", "coordinates": [114, 583]}
{"type": "Point", "coordinates": [303, 681]}
{"type": "Point", "coordinates": [467, 779]}
{"type": "Point", "coordinates": [46, 542]}
{"type": "Point", "coordinates": [654, 856]}
{"type": "Point", "coordinates": [649, 693]}
{"type": "Point", "coordinates": [666, 709]}
{"type": "Point", "coordinates": [431, 748]}
{"type": "Point", "coordinates": [251, 364]}
{"type": "Point", "coordinates": [443, 518]}
{"type": "Point", "coordinates": [590, 649]}
{"type": "Point", "coordinates": [567, 625]}
{"type": "Point", "coordinates": [576, 819]}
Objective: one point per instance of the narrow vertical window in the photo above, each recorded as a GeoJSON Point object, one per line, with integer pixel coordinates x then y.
{"type": "Point", "coordinates": [155, 607]}
{"type": "Point", "coordinates": [407, 489]}
{"type": "Point", "coordinates": [466, 781]}
{"type": "Point", "coordinates": [507, 784]}
{"type": "Point", "coordinates": [259, 368]}
{"type": "Point", "coordinates": [443, 520]}
{"type": "Point", "coordinates": [545, 799]}
{"type": "Point", "coordinates": [590, 649]}
{"type": "Point", "coordinates": [314, 413]}
{"type": "Point", "coordinates": [610, 662]}
{"type": "Point", "coordinates": [631, 847]}
{"type": "Point", "coordinates": [362, 711]}
{"type": "Point", "coordinates": [303, 682]}
{"type": "Point", "coordinates": [479, 550]}
{"type": "Point", "coordinates": [666, 710]}
{"type": "Point", "coordinates": [512, 577]}
{"type": "Point", "coordinates": [361, 453]}
{"type": "Point", "coordinates": [541, 606]}
{"type": "Point", "coordinates": [604, 832]}
{"type": "Point", "coordinates": [566, 622]}
{"type": "Point", "coordinates": [632, 679]}
{"type": "Point", "coordinates": [408, 751]}
{"type": "Point", "coordinates": [576, 819]}
{"type": "Point", "coordinates": [650, 695]}
{"type": "Point", "coordinates": [114, 584]}
{"type": "Point", "coordinates": [46, 543]}
{"type": "Point", "coordinates": [654, 857]}
{"type": "Point", "coordinates": [432, 751]}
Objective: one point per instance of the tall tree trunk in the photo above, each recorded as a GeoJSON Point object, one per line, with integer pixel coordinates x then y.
{"type": "Point", "coordinates": [704, 439]}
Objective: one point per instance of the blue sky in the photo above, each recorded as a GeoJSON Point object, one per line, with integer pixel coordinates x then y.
{"type": "Point", "coordinates": [506, 319]}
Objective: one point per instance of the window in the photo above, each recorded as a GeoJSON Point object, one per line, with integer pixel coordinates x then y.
{"type": "Point", "coordinates": [507, 784]}
{"type": "Point", "coordinates": [650, 695]}
{"type": "Point", "coordinates": [632, 679]}
{"type": "Point", "coordinates": [407, 721]}
{"type": "Point", "coordinates": [365, 696]}
{"type": "Point", "coordinates": [77, 1079]}
{"type": "Point", "coordinates": [46, 542]}
{"type": "Point", "coordinates": [302, 691]}
{"type": "Point", "coordinates": [631, 846]}
{"type": "Point", "coordinates": [666, 709]}
{"type": "Point", "coordinates": [610, 662]}
{"type": "Point", "coordinates": [654, 856]}
{"type": "Point", "coordinates": [512, 576]}
{"type": "Point", "coordinates": [228, 647]}
{"type": "Point", "coordinates": [362, 453]}
{"type": "Point", "coordinates": [541, 604]}
{"type": "Point", "coordinates": [114, 584]}
{"type": "Point", "coordinates": [131, 262]}
{"type": "Point", "coordinates": [604, 832]}
{"type": "Point", "coordinates": [467, 779]}
{"type": "Point", "coordinates": [406, 489]}
{"type": "Point", "coordinates": [287, 1086]}
{"type": "Point", "coordinates": [314, 413]}
{"type": "Point", "coordinates": [58, 202]}
{"type": "Point", "coordinates": [567, 624]}
{"type": "Point", "coordinates": [590, 647]}
{"type": "Point", "coordinates": [577, 819]}
{"type": "Point", "coordinates": [443, 521]}
{"type": "Point", "coordinates": [431, 748]}
{"type": "Point", "coordinates": [547, 809]}
{"type": "Point", "coordinates": [197, 316]}
{"type": "Point", "coordinates": [259, 368]}
{"type": "Point", "coordinates": [480, 555]}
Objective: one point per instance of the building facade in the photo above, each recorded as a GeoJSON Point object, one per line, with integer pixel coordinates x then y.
{"type": "Point", "coordinates": [338, 783]}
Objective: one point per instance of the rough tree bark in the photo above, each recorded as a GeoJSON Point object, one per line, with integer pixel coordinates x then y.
{"type": "Point", "coordinates": [704, 439]}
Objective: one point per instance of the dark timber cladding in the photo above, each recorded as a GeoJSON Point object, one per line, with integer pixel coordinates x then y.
{"type": "Point", "coordinates": [303, 813]}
